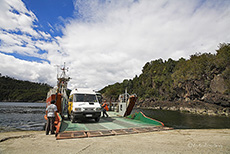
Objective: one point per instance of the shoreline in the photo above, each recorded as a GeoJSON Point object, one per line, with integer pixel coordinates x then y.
{"type": "Point", "coordinates": [193, 107]}
{"type": "Point", "coordinates": [186, 110]}
{"type": "Point", "coordinates": [177, 141]}
{"type": "Point", "coordinates": [199, 108]}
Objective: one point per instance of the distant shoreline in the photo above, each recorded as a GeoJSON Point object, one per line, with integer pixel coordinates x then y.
{"type": "Point", "coordinates": [194, 107]}
{"type": "Point", "coordinates": [199, 108]}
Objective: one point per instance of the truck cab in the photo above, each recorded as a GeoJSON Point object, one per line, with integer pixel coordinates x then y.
{"type": "Point", "coordinates": [83, 104]}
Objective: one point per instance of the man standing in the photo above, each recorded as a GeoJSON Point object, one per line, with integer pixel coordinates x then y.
{"type": "Point", "coordinates": [50, 112]}
{"type": "Point", "coordinates": [104, 109]}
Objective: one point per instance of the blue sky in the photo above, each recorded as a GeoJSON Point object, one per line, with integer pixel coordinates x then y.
{"type": "Point", "coordinates": [51, 13]}
{"type": "Point", "coordinates": [104, 41]}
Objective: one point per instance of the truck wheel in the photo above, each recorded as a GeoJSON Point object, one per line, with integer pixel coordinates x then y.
{"type": "Point", "coordinates": [72, 118]}
{"type": "Point", "coordinates": [97, 119]}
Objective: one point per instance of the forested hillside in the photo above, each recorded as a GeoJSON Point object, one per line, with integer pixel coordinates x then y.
{"type": "Point", "coordinates": [22, 91]}
{"type": "Point", "coordinates": [204, 77]}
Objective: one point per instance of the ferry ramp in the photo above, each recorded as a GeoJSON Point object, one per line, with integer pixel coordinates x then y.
{"type": "Point", "coordinates": [108, 126]}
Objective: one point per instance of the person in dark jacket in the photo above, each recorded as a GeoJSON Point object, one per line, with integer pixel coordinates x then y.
{"type": "Point", "coordinates": [50, 113]}
{"type": "Point", "coordinates": [104, 108]}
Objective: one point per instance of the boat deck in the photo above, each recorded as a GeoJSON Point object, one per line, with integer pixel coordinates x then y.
{"type": "Point", "coordinates": [113, 125]}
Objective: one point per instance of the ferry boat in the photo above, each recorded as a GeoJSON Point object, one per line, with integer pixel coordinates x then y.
{"type": "Point", "coordinates": [59, 94]}
{"type": "Point", "coordinates": [120, 121]}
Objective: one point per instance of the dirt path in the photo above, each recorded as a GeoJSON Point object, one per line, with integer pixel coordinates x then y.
{"type": "Point", "coordinates": [173, 141]}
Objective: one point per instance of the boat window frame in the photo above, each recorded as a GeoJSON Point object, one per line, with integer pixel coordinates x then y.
{"type": "Point", "coordinates": [85, 99]}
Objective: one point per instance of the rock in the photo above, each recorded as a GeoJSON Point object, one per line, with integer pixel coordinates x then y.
{"type": "Point", "coordinates": [173, 108]}
{"type": "Point", "coordinates": [218, 84]}
{"type": "Point", "coordinates": [216, 98]}
{"type": "Point", "coordinates": [207, 107]}
{"type": "Point", "coordinates": [210, 112]}
{"type": "Point", "coordinates": [200, 111]}
{"type": "Point", "coordinates": [187, 99]}
{"type": "Point", "coordinates": [204, 97]}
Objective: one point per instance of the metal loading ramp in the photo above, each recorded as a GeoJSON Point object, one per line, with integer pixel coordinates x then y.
{"type": "Point", "coordinates": [101, 133]}
{"type": "Point", "coordinates": [114, 125]}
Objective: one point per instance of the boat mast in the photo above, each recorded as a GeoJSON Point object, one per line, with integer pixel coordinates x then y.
{"type": "Point", "coordinates": [62, 80]}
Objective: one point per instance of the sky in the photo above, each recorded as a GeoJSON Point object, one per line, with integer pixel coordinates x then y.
{"type": "Point", "coordinates": [104, 41]}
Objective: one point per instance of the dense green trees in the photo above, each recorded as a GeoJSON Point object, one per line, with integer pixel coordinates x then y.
{"type": "Point", "coordinates": [174, 80]}
{"type": "Point", "coordinates": [22, 91]}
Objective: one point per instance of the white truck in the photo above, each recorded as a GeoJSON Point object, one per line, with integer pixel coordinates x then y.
{"type": "Point", "coordinates": [83, 104]}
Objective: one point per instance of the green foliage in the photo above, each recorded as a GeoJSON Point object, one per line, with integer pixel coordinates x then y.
{"type": "Point", "coordinates": [112, 91]}
{"type": "Point", "coordinates": [223, 57]}
{"type": "Point", "coordinates": [226, 76]}
{"type": "Point", "coordinates": [22, 91]}
{"type": "Point", "coordinates": [170, 80]}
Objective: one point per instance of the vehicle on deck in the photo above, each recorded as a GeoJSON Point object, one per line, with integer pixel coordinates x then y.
{"type": "Point", "coordinates": [83, 104]}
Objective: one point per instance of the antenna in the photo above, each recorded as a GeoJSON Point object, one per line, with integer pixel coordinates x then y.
{"type": "Point", "coordinates": [63, 79]}
{"type": "Point", "coordinates": [58, 66]}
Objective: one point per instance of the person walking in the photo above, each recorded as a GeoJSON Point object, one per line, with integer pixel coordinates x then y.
{"type": "Point", "coordinates": [104, 109]}
{"type": "Point", "coordinates": [50, 113]}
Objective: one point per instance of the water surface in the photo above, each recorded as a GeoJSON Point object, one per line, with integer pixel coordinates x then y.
{"type": "Point", "coordinates": [21, 116]}
{"type": "Point", "coordinates": [179, 120]}
{"type": "Point", "coordinates": [30, 116]}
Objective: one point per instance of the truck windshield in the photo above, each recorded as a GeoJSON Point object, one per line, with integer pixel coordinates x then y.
{"type": "Point", "coordinates": [84, 98]}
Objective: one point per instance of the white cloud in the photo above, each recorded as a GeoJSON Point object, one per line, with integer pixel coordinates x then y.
{"type": "Point", "coordinates": [18, 31]}
{"type": "Point", "coordinates": [113, 39]}
{"type": "Point", "coordinates": [116, 39]}
{"type": "Point", "coordinates": [19, 34]}
{"type": "Point", "coordinates": [26, 70]}
{"type": "Point", "coordinates": [15, 16]}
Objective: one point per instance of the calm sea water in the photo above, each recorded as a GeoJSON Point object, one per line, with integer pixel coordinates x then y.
{"type": "Point", "coordinates": [179, 120]}
{"type": "Point", "coordinates": [30, 116]}
{"type": "Point", "coordinates": [21, 116]}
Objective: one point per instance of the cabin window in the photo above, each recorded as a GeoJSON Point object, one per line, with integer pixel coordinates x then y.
{"type": "Point", "coordinates": [99, 97]}
{"type": "Point", "coordinates": [84, 98]}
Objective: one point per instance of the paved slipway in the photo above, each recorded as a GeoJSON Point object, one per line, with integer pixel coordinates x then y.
{"type": "Point", "coordinates": [171, 141]}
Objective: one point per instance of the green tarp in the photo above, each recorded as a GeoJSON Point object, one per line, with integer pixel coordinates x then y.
{"type": "Point", "coordinates": [140, 116]}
